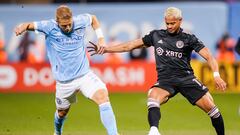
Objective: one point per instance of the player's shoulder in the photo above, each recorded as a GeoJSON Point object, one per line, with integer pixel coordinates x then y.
{"type": "Point", "coordinates": [53, 24]}
{"type": "Point", "coordinates": [158, 31]}
{"type": "Point", "coordinates": [50, 24]}
{"type": "Point", "coordinates": [82, 16]}
{"type": "Point", "coordinates": [187, 33]}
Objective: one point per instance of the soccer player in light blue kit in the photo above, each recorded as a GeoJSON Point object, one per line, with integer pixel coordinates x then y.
{"type": "Point", "coordinates": [67, 55]}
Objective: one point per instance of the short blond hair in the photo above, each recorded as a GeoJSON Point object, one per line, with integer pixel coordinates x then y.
{"type": "Point", "coordinates": [63, 13]}
{"type": "Point", "coordinates": [173, 11]}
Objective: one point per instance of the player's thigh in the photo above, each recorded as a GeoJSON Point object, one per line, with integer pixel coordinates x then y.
{"type": "Point", "coordinates": [159, 94]}
{"type": "Point", "coordinates": [192, 89]}
{"type": "Point", "coordinates": [206, 102]}
{"type": "Point", "coordinates": [93, 88]}
{"type": "Point", "coordinates": [65, 95]}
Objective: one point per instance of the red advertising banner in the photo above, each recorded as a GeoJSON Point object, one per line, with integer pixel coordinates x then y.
{"type": "Point", "coordinates": [130, 77]}
{"type": "Point", "coordinates": [23, 77]}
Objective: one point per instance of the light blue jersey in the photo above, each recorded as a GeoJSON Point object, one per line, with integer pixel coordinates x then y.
{"type": "Point", "coordinates": [66, 53]}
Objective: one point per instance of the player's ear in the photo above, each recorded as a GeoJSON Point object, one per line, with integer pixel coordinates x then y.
{"type": "Point", "coordinates": [180, 19]}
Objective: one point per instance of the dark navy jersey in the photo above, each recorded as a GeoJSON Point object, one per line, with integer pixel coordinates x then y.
{"type": "Point", "coordinates": [172, 52]}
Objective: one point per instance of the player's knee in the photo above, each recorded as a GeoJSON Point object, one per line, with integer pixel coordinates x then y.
{"type": "Point", "coordinates": [214, 112]}
{"type": "Point", "coordinates": [160, 96]}
{"type": "Point", "coordinates": [62, 113]}
{"type": "Point", "coordinates": [151, 103]}
{"type": "Point", "coordinates": [100, 97]}
{"type": "Point", "coordinates": [210, 96]}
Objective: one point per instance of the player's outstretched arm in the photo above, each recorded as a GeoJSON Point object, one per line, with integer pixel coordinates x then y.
{"type": "Point", "coordinates": [21, 28]}
{"type": "Point", "coordinates": [123, 47]}
{"type": "Point", "coordinates": [206, 54]}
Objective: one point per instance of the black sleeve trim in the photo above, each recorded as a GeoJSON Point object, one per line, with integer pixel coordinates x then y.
{"type": "Point", "coordinates": [199, 48]}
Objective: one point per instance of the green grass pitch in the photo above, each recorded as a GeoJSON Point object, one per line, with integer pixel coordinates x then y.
{"type": "Point", "coordinates": [32, 114]}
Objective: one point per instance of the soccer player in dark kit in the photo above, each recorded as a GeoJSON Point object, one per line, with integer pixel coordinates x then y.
{"type": "Point", "coordinates": [173, 48]}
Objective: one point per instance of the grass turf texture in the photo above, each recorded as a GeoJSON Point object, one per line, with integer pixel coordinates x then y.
{"type": "Point", "coordinates": [28, 114]}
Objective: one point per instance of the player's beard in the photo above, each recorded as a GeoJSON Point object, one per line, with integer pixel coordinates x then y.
{"type": "Point", "coordinates": [172, 31]}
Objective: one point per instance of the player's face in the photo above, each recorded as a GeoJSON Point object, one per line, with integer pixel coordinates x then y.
{"type": "Point", "coordinates": [66, 27]}
{"type": "Point", "coordinates": [173, 24]}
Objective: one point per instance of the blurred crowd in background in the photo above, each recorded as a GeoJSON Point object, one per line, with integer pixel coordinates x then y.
{"type": "Point", "coordinates": [31, 51]}
{"type": "Point", "coordinates": [90, 1]}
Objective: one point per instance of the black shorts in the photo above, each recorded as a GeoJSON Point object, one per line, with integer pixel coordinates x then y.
{"type": "Point", "coordinates": [188, 86]}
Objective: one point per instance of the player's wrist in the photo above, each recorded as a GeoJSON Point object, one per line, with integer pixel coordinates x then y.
{"type": "Point", "coordinates": [20, 29]}
{"type": "Point", "coordinates": [99, 33]}
{"type": "Point", "coordinates": [216, 74]}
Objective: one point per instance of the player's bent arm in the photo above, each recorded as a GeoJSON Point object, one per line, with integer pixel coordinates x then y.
{"type": "Point", "coordinates": [28, 26]}
{"type": "Point", "coordinates": [95, 23]}
{"type": "Point", "coordinates": [207, 55]}
{"type": "Point", "coordinates": [125, 47]}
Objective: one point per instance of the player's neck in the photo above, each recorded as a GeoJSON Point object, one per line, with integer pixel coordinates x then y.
{"type": "Point", "coordinates": [176, 32]}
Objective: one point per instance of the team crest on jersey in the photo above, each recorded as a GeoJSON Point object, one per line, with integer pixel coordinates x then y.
{"type": "Point", "coordinates": [59, 101]}
{"type": "Point", "coordinates": [179, 44]}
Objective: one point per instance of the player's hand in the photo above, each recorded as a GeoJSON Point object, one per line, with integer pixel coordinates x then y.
{"type": "Point", "coordinates": [220, 84]}
{"type": "Point", "coordinates": [20, 29]}
{"type": "Point", "coordinates": [96, 49]}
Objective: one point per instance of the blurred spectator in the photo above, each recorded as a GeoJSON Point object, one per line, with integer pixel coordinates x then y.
{"type": "Point", "coordinates": [225, 49]}
{"type": "Point", "coordinates": [36, 53]}
{"type": "Point", "coordinates": [30, 50]}
{"type": "Point", "coordinates": [3, 54]}
{"type": "Point", "coordinates": [24, 47]}
{"type": "Point", "coordinates": [237, 47]}
{"type": "Point", "coordinates": [113, 57]}
{"type": "Point", "coordinates": [68, 1]}
{"type": "Point", "coordinates": [138, 54]}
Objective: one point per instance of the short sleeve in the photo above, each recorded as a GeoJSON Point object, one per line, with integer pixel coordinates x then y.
{"type": "Point", "coordinates": [83, 20]}
{"type": "Point", "coordinates": [147, 39]}
{"type": "Point", "coordinates": [43, 26]}
{"type": "Point", "coordinates": [197, 45]}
